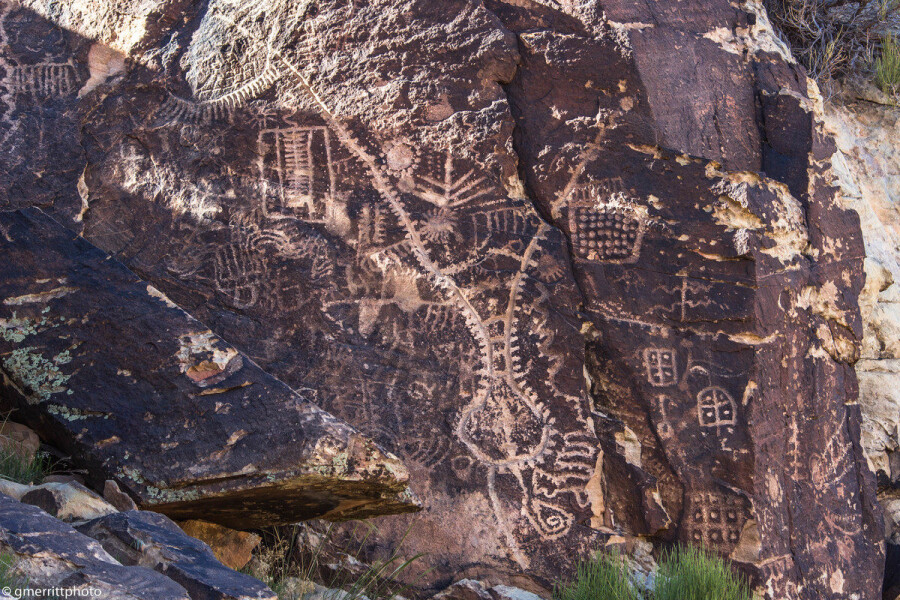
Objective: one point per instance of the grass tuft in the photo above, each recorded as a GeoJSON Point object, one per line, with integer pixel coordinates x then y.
{"type": "Point", "coordinates": [22, 469]}
{"type": "Point", "coordinates": [605, 577]}
{"type": "Point", "coordinates": [832, 39]}
{"type": "Point", "coordinates": [287, 560]}
{"type": "Point", "coordinates": [690, 573]}
{"type": "Point", "coordinates": [9, 579]}
{"type": "Point", "coordinates": [685, 573]}
{"type": "Point", "coordinates": [887, 66]}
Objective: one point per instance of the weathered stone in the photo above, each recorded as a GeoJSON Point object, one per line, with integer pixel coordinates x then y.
{"type": "Point", "coordinates": [115, 496]}
{"type": "Point", "coordinates": [447, 219]}
{"type": "Point", "coordinates": [14, 490]}
{"type": "Point", "coordinates": [232, 548]}
{"type": "Point", "coordinates": [19, 438]}
{"type": "Point", "coordinates": [114, 373]}
{"type": "Point", "coordinates": [153, 540]}
{"type": "Point", "coordinates": [867, 166]}
{"type": "Point", "coordinates": [69, 501]}
{"type": "Point", "coordinates": [464, 589]}
{"type": "Point", "coordinates": [49, 553]}
{"type": "Point", "coordinates": [112, 582]}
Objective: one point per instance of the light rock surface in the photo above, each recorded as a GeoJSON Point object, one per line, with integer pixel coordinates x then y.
{"type": "Point", "coordinates": [867, 166]}
{"type": "Point", "coordinates": [69, 501]}
{"type": "Point", "coordinates": [232, 548]}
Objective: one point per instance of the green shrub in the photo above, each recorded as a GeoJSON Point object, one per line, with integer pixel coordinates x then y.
{"type": "Point", "coordinates": [887, 67]}
{"type": "Point", "coordinates": [690, 573]}
{"type": "Point", "coordinates": [15, 467]}
{"type": "Point", "coordinates": [605, 577]}
{"type": "Point", "coordinates": [685, 573]}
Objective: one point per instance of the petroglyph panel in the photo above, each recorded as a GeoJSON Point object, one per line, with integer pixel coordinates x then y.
{"type": "Point", "coordinates": [347, 192]}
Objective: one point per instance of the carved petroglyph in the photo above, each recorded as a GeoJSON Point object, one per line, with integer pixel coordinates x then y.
{"type": "Point", "coordinates": [660, 366]}
{"type": "Point", "coordinates": [297, 171]}
{"type": "Point", "coordinates": [43, 80]}
{"type": "Point", "coordinates": [716, 409]}
{"type": "Point", "coordinates": [715, 520]}
{"type": "Point", "coordinates": [604, 228]}
{"type": "Point", "coordinates": [451, 190]}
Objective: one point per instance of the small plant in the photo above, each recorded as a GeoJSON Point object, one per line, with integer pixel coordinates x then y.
{"type": "Point", "coordinates": [605, 577]}
{"type": "Point", "coordinates": [685, 573]}
{"type": "Point", "coordinates": [690, 573]}
{"type": "Point", "coordinates": [286, 565]}
{"type": "Point", "coordinates": [887, 66]}
{"type": "Point", "coordinates": [23, 469]}
{"type": "Point", "coordinates": [9, 579]}
{"type": "Point", "coordinates": [832, 39]}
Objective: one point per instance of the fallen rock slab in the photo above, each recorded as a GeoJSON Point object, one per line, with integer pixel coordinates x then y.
{"type": "Point", "coordinates": [153, 540]}
{"type": "Point", "coordinates": [108, 369]}
{"type": "Point", "coordinates": [50, 553]}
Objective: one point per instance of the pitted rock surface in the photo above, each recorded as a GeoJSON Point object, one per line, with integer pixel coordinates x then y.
{"type": "Point", "coordinates": [578, 263]}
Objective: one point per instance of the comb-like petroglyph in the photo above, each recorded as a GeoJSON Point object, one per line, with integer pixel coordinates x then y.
{"type": "Point", "coordinates": [473, 231]}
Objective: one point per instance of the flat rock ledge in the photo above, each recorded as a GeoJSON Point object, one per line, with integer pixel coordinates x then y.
{"type": "Point", "coordinates": [108, 369]}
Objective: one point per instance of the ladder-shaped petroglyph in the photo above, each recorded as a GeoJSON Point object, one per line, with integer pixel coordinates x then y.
{"type": "Point", "coordinates": [297, 172]}
{"type": "Point", "coordinates": [44, 80]}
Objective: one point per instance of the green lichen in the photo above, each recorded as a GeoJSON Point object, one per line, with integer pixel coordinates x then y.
{"type": "Point", "coordinates": [16, 329]}
{"type": "Point", "coordinates": [74, 414]}
{"type": "Point", "coordinates": [340, 463]}
{"type": "Point", "coordinates": [37, 377]}
{"type": "Point", "coordinates": [169, 496]}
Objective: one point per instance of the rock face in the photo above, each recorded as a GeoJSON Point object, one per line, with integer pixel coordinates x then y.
{"type": "Point", "coordinates": [578, 263]}
{"type": "Point", "coordinates": [110, 370]}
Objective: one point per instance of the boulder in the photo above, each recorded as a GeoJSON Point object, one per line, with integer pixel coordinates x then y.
{"type": "Point", "coordinates": [580, 264]}
{"type": "Point", "coordinates": [49, 553]}
{"type": "Point", "coordinates": [233, 548]}
{"type": "Point", "coordinates": [69, 501]}
{"type": "Point", "coordinates": [18, 438]}
{"type": "Point", "coordinates": [153, 540]}
{"type": "Point", "coordinates": [115, 496]}
{"type": "Point", "coordinates": [134, 389]}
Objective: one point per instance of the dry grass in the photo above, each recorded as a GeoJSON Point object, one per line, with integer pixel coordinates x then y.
{"type": "Point", "coordinates": [834, 38]}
